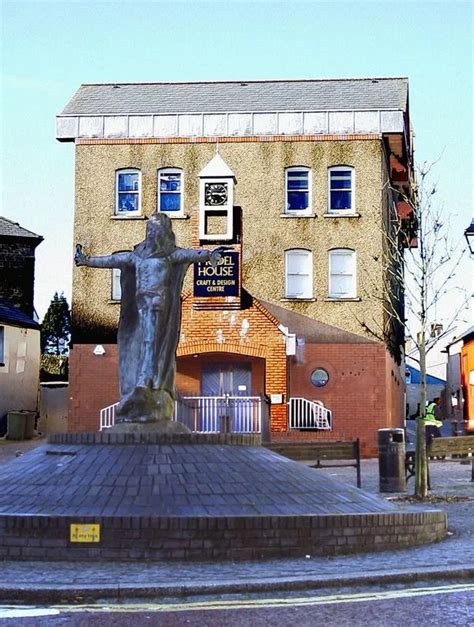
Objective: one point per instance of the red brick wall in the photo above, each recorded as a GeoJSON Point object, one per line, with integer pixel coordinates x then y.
{"type": "Point", "coordinates": [199, 335]}
{"type": "Point", "coordinates": [361, 392]}
{"type": "Point", "coordinates": [364, 392]}
{"type": "Point", "coordinates": [94, 379]}
{"type": "Point", "coordinates": [93, 385]}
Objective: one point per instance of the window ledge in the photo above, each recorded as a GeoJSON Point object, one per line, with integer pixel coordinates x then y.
{"type": "Point", "coordinates": [333, 299]}
{"type": "Point", "coordinates": [341, 215]}
{"type": "Point", "coordinates": [298, 215]}
{"type": "Point", "coordinates": [175, 217]}
{"type": "Point", "coordinates": [290, 299]}
{"type": "Point", "coordinates": [117, 217]}
{"type": "Point", "coordinates": [113, 301]}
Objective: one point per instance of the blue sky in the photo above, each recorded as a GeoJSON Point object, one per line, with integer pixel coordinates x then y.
{"type": "Point", "coordinates": [50, 48]}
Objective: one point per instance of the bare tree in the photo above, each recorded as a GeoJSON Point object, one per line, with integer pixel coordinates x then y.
{"type": "Point", "coordinates": [419, 264]}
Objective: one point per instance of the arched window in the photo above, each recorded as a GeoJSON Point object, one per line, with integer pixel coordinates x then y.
{"type": "Point", "coordinates": [342, 273]}
{"type": "Point", "coordinates": [128, 192]}
{"type": "Point", "coordinates": [341, 189]}
{"type": "Point", "coordinates": [298, 273]}
{"type": "Point", "coordinates": [170, 191]}
{"type": "Point", "coordinates": [298, 190]}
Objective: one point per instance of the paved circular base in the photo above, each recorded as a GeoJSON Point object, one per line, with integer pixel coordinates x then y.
{"type": "Point", "coordinates": [189, 497]}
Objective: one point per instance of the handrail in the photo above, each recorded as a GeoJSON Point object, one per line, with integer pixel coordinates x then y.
{"type": "Point", "coordinates": [204, 414]}
{"type": "Point", "coordinates": [308, 414]}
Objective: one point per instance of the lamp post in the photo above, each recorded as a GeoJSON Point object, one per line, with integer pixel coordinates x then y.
{"type": "Point", "coordinates": [469, 235]}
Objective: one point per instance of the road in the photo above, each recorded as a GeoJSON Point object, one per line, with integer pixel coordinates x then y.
{"type": "Point", "coordinates": [435, 603]}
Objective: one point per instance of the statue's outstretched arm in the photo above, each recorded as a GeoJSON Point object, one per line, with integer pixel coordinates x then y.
{"type": "Point", "coordinates": [117, 260]}
{"type": "Point", "coordinates": [199, 255]}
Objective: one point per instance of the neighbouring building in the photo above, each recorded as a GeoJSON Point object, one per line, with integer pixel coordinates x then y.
{"type": "Point", "coordinates": [303, 179]}
{"type": "Point", "coordinates": [19, 329]}
{"type": "Point", "coordinates": [460, 382]}
{"type": "Point", "coordinates": [434, 387]}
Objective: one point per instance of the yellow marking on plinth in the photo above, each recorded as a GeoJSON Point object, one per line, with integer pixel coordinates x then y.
{"type": "Point", "coordinates": [84, 533]}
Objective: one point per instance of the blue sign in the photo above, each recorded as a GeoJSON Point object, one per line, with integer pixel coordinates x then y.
{"type": "Point", "coordinates": [220, 280]}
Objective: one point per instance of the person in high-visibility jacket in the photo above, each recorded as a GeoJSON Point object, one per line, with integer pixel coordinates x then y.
{"type": "Point", "coordinates": [432, 420]}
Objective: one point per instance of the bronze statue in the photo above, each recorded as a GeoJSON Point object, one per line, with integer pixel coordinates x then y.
{"type": "Point", "coordinates": [150, 318]}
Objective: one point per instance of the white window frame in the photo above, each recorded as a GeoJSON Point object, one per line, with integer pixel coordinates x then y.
{"type": "Point", "coordinates": [116, 291]}
{"type": "Point", "coordinates": [299, 212]}
{"type": "Point", "coordinates": [307, 271]}
{"type": "Point", "coordinates": [179, 171]}
{"type": "Point", "coordinates": [353, 274]}
{"type": "Point", "coordinates": [342, 212]}
{"type": "Point", "coordinates": [2, 345]}
{"type": "Point", "coordinates": [139, 192]}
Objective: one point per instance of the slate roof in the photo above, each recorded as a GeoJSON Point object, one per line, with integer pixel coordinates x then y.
{"type": "Point", "coordinates": [214, 97]}
{"type": "Point", "coordinates": [466, 336]}
{"type": "Point", "coordinates": [313, 331]}
{"type": "Point", "coordinates": [416, 377]}
{"type": "Point", "coordinates": [14, 316]}
{"type": "Point", "coordinates": [13, 229]}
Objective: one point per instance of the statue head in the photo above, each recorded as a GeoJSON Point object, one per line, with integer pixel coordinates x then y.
{"type": "Point", "coordinates": [159, 234]}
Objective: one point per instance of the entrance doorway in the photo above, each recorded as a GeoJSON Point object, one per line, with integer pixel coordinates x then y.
{"type": "Point", "coordinates": [224, 379]}
{"type": "Point", "coordinates": [226, 398]}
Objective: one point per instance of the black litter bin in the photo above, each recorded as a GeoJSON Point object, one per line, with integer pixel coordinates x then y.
{"type": "Point", "coordinates": [392, 460]}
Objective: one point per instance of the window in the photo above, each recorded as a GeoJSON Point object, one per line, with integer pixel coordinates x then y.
{"type": "Point", "coordinates": [2, 346]}
{"type": "Point", "coordinates": [128, 192]}
{"type": "Point", "coordinates": [116, 287]}
{"type": "Point", "coordinates": [319, 377]}
{"type": "Point", "coordinates": [341, 189]}
{"type": "Point", "coordinates": [170, 191]}
{"type": "Point", "coordinates": [297, 191]}
{"type": "Point", "coordinates": [299, 273]}
{"type": "Point", "coordinates": [342, 273]}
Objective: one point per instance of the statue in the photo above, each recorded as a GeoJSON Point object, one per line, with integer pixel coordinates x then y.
{"type": "Point", "coordinates": [150, 318]}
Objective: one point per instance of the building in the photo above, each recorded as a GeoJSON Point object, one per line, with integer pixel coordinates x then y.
{"type": "Point", "coordinates": [434, 387]}
{"type": "Point", "coordinates": [460, 382]}
{"type": "Point", "coordinates": [304, 180]}
{"type": "Point", "coordinates": [19, 330]}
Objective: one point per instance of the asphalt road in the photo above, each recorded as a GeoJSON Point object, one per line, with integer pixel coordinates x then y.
{"type": "Point", "coordinates": [440, 603]}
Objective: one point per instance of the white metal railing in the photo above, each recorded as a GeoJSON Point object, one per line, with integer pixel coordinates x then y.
{"type": "Point", "coordinates": [107, 417]}
{"type": "Point", "coordinates": [208, 414]}
{"type": "Point", "coordinates": [306, 414]}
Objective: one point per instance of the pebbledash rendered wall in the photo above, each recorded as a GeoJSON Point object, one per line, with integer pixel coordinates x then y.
{"type": "Point", "coordinates": [259, 166]}
{"type": "Point", "coordinates": [376, 394]}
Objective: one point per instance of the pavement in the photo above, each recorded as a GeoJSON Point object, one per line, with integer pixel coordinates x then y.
{"type": "Point", "coordinates": [453, 557]}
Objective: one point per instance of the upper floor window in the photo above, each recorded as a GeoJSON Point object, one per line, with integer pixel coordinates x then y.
{"type": "Point", "coordinates": [342, 273]}
{"type": "Point", "coordinates": [297, 190]}
{"type": "Point", "coordinates": [298, 273]}
{"type": "Point", "coordinates": [116, 287]}
{"type": "Point", "coordinates": [341, 189]}
{"type": "Point", "coordinates": [128, 192]}
{"type": "Point", "coordinates": [170, 190]}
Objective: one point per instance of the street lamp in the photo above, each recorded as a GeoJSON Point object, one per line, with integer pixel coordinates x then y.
{"type": "Point", "coordinates": [469, 235]}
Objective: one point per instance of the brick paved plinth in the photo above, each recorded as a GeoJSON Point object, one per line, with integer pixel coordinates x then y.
{"type": "Point", "coordinates": [190, 497]}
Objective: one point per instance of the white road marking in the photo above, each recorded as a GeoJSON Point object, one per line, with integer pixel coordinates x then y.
{"type": "Point", "coordinates": [26, 611]}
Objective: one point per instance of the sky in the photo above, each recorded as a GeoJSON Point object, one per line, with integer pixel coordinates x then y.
{"type": "Point", "coordinates": [50, 48]}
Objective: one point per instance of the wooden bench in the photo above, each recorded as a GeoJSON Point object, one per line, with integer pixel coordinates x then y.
{"type": "Point", "coordinates": [343, 451]}
{"type": "Point", "coordinates": [445, 450]}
